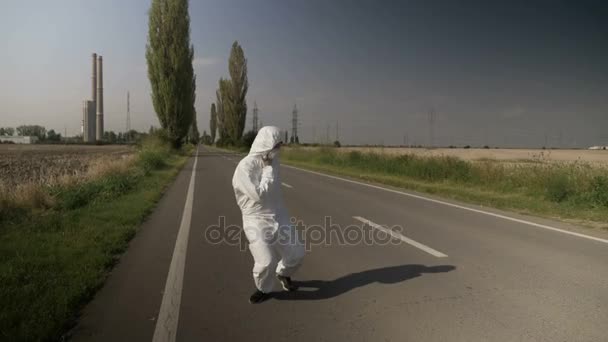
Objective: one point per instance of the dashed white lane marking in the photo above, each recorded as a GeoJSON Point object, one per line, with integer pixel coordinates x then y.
{"type": "Point", "coordinates": [287, 185]}
{"type": "Point", "coordinates": [504, 217]}
{"type": "Point", "coordinates": [168, 316]}
{"type": "Point", "coordinates": [230, 159]}
{"type": "Point", "coordinates": [405, 239]}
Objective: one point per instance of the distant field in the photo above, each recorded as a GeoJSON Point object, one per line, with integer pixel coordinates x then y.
{"type": "Point", "coordinates": [513, 155]}
{"type": "Point", "coordinates": [21, 164]}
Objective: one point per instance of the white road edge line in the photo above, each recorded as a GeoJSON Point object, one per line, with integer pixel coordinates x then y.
{"type": "Point", "coordinates": [166, 323]}
{"type": "Point", "coordinates": [538, 225]}
{"type": "Point", "coordinates": [405, 239]}
{"type": "Point", "coordinates": [287, 185]}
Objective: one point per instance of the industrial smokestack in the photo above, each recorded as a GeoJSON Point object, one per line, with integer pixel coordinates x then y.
{"type": "Point", "coordinates": [91, 119]}
{"type": "Point", "coordinates": [99, 99]}
{"type": "Point", "coordinates": [94, 80]}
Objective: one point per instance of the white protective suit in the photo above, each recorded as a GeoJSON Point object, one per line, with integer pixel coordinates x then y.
{"type": "Point", "coordinates": [272, 239]}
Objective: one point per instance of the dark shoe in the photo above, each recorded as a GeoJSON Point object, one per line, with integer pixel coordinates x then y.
{"type": "Point", "coordinates": [287, 283]}
{"type": "Point", "coordinates": [258, 297]}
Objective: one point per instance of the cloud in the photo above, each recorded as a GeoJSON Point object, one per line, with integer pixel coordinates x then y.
{"type": "Point", "coordinates": [513, 113]}
{"type": "Point", "coordinates": [204, 61]}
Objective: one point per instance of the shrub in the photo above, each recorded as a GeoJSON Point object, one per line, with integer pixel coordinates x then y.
{"type": "Point", "coordinates": [599, 191]}
{"type": "Point", "coordinates": [151, 160]}
{"type": "Point", "coordinates": [558, 188]}
{"type": "Point", "coordinates": [77, 196]}
{"type": "Point", "coordinates": [153, 151]}
{"type": "Point", "coordinates": [32, 196]}
{"type": "Point", "coordinates": [118, 184]}
{"type": "Point", "coordinates": [355, 157]}
{"type": "Point", "coordinates": [106, 187]}
{"type": "Point", "coordinates": [247, 139]}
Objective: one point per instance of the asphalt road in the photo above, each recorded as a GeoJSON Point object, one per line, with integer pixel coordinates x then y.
{"type": "Point", "coordinates": [456, 275]}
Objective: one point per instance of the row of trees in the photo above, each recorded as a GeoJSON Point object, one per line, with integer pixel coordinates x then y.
{"type": "Point", "coordinates": [32, 131]}
{"type": "Point", "coordinates": [169, 56]}
{"type": "Point", "coordinates": [121, 138]}
{"type": "Point", "coordinates": [229, 112]}
{"type": "Point", "coordinates": [7, 131]}
{"type": "Point", "coordinates": [51, 136]}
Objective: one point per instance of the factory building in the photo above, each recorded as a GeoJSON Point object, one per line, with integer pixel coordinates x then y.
{"type": "Point", "coordinates": [18, 139]}
{"type": "Point", "coordinates": [92, 110]}
{"type": "Point", "coordinates": [89, 112]}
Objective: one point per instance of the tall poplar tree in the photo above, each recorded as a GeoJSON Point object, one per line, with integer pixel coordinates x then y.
{"type": "Point", "coordinates": [169, 55]}
{"type": "Point", "coordinates": [239, 83]}
{"type": "Point", "coordinates": [213, 122]}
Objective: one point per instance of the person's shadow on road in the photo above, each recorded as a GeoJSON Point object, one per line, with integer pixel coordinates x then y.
{"type": "Point", "coordinates": [322, 289]}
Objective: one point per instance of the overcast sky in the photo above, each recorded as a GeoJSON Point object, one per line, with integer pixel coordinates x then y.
{"type": "Point", "coordinates": [508, 73]}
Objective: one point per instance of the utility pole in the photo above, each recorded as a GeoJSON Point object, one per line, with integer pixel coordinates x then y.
{"type": "Point", "coordinates": [255, 117]}
{"type": "Point", "coordinates": [128, 112]}
{"type": "Point", "coordinates": [431, 117]}
{"type": "Point", "coordinates": [314, 134]}
{"type": "Point", "coordinates": [294, 122]}
{"type": "Point", "coordinates": [485, 132]}
{"type": "Point", "coordinates": [327, 135]}
{"type": "Point", "coordinates": [337, 131]}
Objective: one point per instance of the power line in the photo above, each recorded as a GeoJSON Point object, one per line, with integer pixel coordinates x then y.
{"type": "Point", "coordinates": [337, 131]}
{"type": "Point", "coordinates": [128, 111]}
{"type": "Point", "coordinates": [294, 127]}
{"type": "Point", "coordinates": [485, 135]}
{"type": "Point", "coordinates": [431, 117]}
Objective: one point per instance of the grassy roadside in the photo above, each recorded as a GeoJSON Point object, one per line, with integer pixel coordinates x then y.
{"type": "Point", "coordinates": [54, 257]}
{"type": "Point", "coordinates": [576, 193]}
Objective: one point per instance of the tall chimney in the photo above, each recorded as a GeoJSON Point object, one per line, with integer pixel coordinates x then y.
{"type": "Point", "coordinates": [94, 80]}
{"type": "Point", "coordinates": [99, 99]}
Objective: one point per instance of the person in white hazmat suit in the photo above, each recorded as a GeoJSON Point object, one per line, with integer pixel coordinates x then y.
{"type": "Point", "coordinates": [273, 241]}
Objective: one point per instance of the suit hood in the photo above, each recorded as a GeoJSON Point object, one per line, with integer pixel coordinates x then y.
{"type": "Point", "coordinates": [268, 137]}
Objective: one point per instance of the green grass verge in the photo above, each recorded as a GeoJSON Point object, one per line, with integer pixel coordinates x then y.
{"type": "Point", "coordinates": [53, 261]}
{"type": "Point", "coordinates": [571, 192]}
